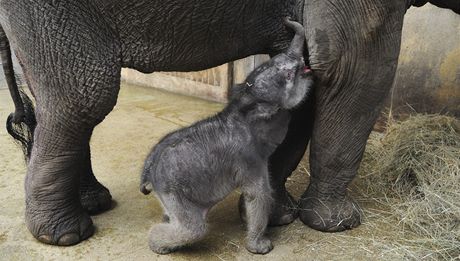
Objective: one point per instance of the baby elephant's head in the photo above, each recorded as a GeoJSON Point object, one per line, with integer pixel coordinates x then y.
{"type": "Point", "coordinates": [285, 79]}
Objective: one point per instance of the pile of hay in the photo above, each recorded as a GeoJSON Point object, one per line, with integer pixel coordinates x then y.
{"type": "Point", "coordinates": [413, 170]}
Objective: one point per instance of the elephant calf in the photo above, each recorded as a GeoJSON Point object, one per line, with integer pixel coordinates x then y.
{"type": "Point", "coordinates": [194, 168]}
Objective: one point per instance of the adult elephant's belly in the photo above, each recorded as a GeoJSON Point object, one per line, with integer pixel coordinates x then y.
{"type": "Point", "coordinates": [179, 35]}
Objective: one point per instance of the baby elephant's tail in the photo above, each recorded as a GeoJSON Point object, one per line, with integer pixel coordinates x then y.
{"type": "Point", "coordinates": [152, 162]}
{"type": "Point", "coordinates": [146, 184]}
{"type": "Point", "coordinates": [146, 187]}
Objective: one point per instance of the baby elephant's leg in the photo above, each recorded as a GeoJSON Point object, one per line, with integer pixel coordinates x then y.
{"type": "Point", "coordinates": [186, 224]}
{"type": "Point", "coordinates": [258, 201]}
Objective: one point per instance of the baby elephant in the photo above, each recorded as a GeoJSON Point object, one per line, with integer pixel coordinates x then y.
{"type": "Point", "coordinates": [194, 168]}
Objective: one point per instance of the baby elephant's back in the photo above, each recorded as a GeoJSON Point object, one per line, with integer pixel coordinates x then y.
{"type": "Point", "coordinates": [200, 156]}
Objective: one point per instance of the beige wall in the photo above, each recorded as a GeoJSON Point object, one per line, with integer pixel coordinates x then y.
{"type": "Point", "coordinates": [210, 84]}
{"type": "Point", "coordinates": [243, 67]}
{"type": "Point", "coordinates": [428, 76]}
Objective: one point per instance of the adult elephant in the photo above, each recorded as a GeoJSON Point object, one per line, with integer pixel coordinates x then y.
{"type": "Point", "coordinates": [72, 53]}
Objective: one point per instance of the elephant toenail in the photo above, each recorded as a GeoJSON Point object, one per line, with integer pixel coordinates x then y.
{"type": "Point", "coordinates": [45, 239]}
{"type": "Point", "coordinates": [69, 239]}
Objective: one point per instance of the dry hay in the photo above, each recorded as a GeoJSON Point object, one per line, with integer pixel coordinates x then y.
{"type": "Point", "coordinates": [412, 172]}
{"type": "Point", "coordinates": [409, 189]}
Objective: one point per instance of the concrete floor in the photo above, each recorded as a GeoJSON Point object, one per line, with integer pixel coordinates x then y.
{"type": "Point", "coordinates": [119, 146]}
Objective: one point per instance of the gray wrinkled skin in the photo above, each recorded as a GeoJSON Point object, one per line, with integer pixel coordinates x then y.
{"type": "Point", "coordinates": [194, 168]}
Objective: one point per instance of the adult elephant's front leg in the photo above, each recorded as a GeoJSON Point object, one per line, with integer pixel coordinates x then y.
{"type": "Point", "coordinates": [74, 73]}
{"type": "Point", "coordinates": [354, 47]}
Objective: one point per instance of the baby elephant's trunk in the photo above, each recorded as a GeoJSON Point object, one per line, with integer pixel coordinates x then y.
{"type": "Point", "coordinates": [297, 43]}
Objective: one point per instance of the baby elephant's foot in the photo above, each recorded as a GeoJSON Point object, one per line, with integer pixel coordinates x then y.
{"type": "Point", "coordinates": [166, 238]}
{"type": "Point", "coordinates": [161, 250]}
{"type": "Point", "coordinates": [259, 246]}
{"type": "Point", "coordinates": [159, 239]}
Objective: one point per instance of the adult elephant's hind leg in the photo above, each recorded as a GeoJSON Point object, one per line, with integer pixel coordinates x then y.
{"type": "Point", "coordinates": [59, 164]}
{"type": "Point", "coordinates": [74, 73]}
{"type": "Point", "coordinates": [54, 214]}
{"type": "Point", "coordinates": [94, 197]}
{"type": "Point", "coordinates": [355, 48]}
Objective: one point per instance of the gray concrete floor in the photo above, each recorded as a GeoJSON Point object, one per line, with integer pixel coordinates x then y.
{"type": "Point", "coordinates": [119, 146]}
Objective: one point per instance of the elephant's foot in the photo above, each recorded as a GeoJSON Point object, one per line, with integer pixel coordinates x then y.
{"type": "Point", "coordinates": [56, 226]}
{"type": "Point", "coordinates": [95, 198]}
{"type": "Point", "coordinates": [259, 246]}
{"type": "Point", "coordinates": [327, 214]}
{"type": "Point", "coordinates": [284, 209]}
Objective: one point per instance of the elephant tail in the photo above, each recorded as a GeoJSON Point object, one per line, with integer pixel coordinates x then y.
{"type": "Point", "coordinates": [149, 177]}
{"type": "Point", "coordinates": [150, 168]}
{"type": "Point", "coordinates": [20, 124]}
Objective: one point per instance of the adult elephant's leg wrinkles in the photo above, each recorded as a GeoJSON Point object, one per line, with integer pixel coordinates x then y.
{"type": "Point", "coordinates": [74, 73]}
{"type": "Point", "coordinates": [60, 185]}
{"type": "Point", "coordinates": [54, 214]}
{"type": "Point", "coordinates": [354, 47]}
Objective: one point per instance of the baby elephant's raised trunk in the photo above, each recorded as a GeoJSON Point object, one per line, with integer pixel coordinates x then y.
{"type": "Point", "coordinates": [298, 42]}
